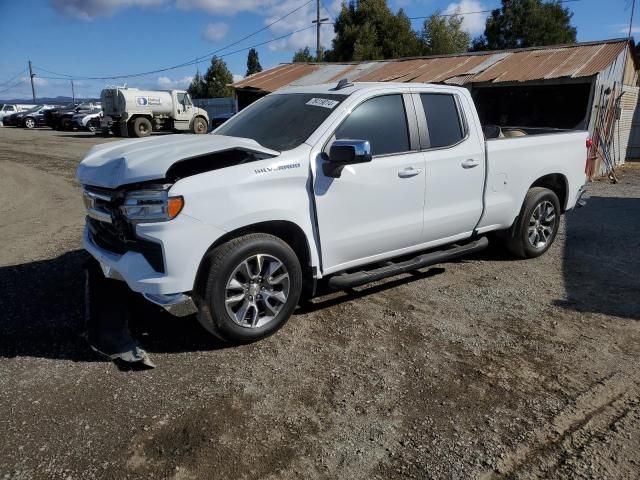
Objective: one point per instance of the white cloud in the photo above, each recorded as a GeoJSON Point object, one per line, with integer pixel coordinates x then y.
{"type": "Point", "coordinates": [473, 23]}
{"type": "Point", "coordinates": [215, 32]}
{"type": "Point", "coordinates": [224, 7]}
{"type": "Point", "coordinates": [623, 28]}
{"type": "Point", "coordinates": [37, 81]}
{"type": "Point", "coordinates": [88, 10]}
{"type": "Point", "coordinates": [299, 20]}
{"type": "Point", "coordinates": [237, 77]}
{"type": "Point", "coordinates": [178, 83]}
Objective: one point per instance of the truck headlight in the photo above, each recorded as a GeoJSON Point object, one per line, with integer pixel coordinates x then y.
{"type": "Point", "coordinates": [151, 206]}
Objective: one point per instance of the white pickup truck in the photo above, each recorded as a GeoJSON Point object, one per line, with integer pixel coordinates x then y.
{"type": "Point", "coordinates": [348, 183]}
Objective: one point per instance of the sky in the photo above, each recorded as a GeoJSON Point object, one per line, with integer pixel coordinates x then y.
{"type": "Point", "coordinates": [100, 38]}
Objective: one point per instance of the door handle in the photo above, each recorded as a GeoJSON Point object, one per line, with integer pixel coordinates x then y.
{"type": "Point", "coordinates": [470, 163]}
{"type": "Point", "coordinates": [409, 172]}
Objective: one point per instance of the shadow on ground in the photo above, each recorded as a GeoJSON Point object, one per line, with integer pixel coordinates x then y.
{"type": "Point", "coordinates": [42, 305]}
{"type": "Point", "coordinates": [602, 258]}
{"type": "Point", "coordinates": [44, 317]}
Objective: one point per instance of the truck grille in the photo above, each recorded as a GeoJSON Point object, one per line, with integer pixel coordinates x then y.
{"type": "Point", "coordinates": [106, 237]}
{"type": "Point", "coordinates": [113, 233]}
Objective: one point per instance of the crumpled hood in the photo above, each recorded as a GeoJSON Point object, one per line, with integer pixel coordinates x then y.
{"type": "Point", "coordinates": [111, 165]}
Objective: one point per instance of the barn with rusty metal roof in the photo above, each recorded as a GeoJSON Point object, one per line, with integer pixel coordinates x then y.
{"type": "Point", "coordinates": [591, 85]}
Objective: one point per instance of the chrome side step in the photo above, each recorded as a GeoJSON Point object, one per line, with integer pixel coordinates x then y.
{"type": "Point", "coordinates": [348, 280]}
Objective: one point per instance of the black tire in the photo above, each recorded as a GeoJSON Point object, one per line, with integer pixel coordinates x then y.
{"type": "Point", "coordinates": [66, 124]}
{"type": "Point", "coordinates": [29, 123]}
{"type": "Point", "coordinates": [141, 127]}
{"type": "Point", "coordinates": [518, 240]}
{"type": "Point", "coordinates": [199, 126]}
{"type": "Point", "coordinates": [222, 263]}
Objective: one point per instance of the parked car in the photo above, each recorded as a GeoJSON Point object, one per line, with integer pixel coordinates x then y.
{"type": "Point", "coordinates": [14, 119]}
{"type": "Point", "coordinates": [34, 117]}
{"type": "Point", "coordinates": [349, 183]}
{"type": "Point", "coordinates": [88, 121]}
{"type": "Point", "coordinates": [10, 109]}
{"type": "Point", "coordinates": [62, 118]}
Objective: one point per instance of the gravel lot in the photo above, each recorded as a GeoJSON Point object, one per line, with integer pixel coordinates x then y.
{"type": "Point", "coordinates": [484, 368]}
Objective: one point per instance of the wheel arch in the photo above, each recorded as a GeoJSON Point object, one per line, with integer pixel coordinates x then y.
{"type": "Point", "coordinates": [133, 117]}
{"type": "Point", "coordinates": [558, 184]}
{"type": "Point", "coordinates": [285, 230]}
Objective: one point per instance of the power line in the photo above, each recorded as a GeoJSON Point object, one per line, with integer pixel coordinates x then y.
{"type": "Point", "coordinates": [476, 12]}
{"type": "Point", "coordinates": [12, 78]}
{"type": "Point", "coordinates": [13, 86]}
{"type": "Point", "coordinates": [63, 76]}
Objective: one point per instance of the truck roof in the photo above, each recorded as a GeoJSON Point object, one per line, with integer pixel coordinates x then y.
{"type": "Point", "coordinates": [330, 88]}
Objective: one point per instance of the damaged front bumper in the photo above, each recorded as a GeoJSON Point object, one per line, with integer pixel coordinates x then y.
{"type": "Point", "coordinates": [177, 304]}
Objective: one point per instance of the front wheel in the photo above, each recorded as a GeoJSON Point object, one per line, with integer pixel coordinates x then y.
{"type": "Point", "coordinates": [29, 123]}
{"type": "Point", "coordinates": [199, 126]}
{"type": "Point", "coordinates": [537, 225]}
{"type": "Point", "coordinates": [66, 124]}
{"type": "Point", "coordinates": [252, 286]}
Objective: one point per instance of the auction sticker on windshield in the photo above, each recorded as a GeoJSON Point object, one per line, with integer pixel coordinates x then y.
{"type": "Point", "coordinates": [323, 102]}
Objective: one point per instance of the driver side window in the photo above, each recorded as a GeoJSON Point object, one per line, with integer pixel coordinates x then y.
{"type": "Point", "coordinates": [381, 120]}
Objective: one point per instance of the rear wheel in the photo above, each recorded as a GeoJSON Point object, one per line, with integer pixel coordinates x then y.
{"type": "Point", "coordinates": [537, 225]}
{"type": "Point", "coordinates": [29, 123]}
{"type": "Point", "coordinates": [252, 286]}
{"type": "Point", "coordinates": [141, 127]}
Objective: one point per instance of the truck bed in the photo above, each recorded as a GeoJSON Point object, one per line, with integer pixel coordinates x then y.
{"type": "Point", "coordinates": [513, 162]}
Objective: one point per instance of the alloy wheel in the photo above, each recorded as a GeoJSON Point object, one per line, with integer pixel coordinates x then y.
{"type": "Point", "coordinates": [257, 290]}
{"type": "Point", "coordinates": [542, 224]}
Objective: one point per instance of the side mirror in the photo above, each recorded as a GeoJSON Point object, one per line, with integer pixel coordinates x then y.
{"type": "Point", "coordinates": [346, 152]}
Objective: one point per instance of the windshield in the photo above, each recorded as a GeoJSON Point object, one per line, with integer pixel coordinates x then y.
{"type": "Point", "coordinates": [282, 122]}
{"type": "Point", "coordinates": [33, 109]}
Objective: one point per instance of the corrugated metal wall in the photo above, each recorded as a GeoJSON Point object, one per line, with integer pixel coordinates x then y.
{"type": "Point", "coordinates": [633, 147]}
{"type": "Point", "coordinates": [624, 126]}
{"type": "Point", "coordinates": [626, 131]}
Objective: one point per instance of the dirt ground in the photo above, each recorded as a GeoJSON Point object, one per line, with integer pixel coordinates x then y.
{"type": "Point", "coordinates": [484, 368]}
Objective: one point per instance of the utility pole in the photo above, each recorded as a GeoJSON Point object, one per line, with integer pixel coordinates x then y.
{"type": "Point", "coordinates": [633, 7]}
{"type": "Point", "coordinates": [318, 21]}
{"type": "Point", "coordinates": [73, 92]}
{"type": "Point", "coordinates": [318, 30]}
{"type": "Point", "coordinates": [33, 88]}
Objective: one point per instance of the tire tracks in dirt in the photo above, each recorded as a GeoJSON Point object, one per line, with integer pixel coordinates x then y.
{"type": "Point", "coordinates": [590, 417]}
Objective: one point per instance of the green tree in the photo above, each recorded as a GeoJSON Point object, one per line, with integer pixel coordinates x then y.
{"type": "Point", "coordinates": [527, 23]}
{"type": "Point", "coordinates": [197, 87]}
{"type": "Point", "coordinates": [253, 63]}
{"type": "Point", "coordinates": [217, 80]}
{"type": "Point", "coordinates": [369, 30]}
{"type": "Point", "coordinates": [303, 55]}
{"type": "Point", "coordinates": [443, 35]}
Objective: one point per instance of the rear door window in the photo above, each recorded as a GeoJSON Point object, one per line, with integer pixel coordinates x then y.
{"type": "Point", "coordinates": [443, 119]}
{"type": "Point", "coordinates": [380, 120]}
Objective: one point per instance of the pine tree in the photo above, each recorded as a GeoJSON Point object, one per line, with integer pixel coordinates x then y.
{"type": "Point", "coordinates": [253, 63]}
{"type": "Point", "coordinates": [197, 86]}
{"type": "Point", "coordinates": [217, 79]}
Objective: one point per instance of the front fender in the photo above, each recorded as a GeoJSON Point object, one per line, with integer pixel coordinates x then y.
{"type": "Point", "coordinates": [274, 189]}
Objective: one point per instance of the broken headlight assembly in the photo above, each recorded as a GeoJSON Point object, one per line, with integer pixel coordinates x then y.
{"type": "Point", "coordinates": [142, 206]}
